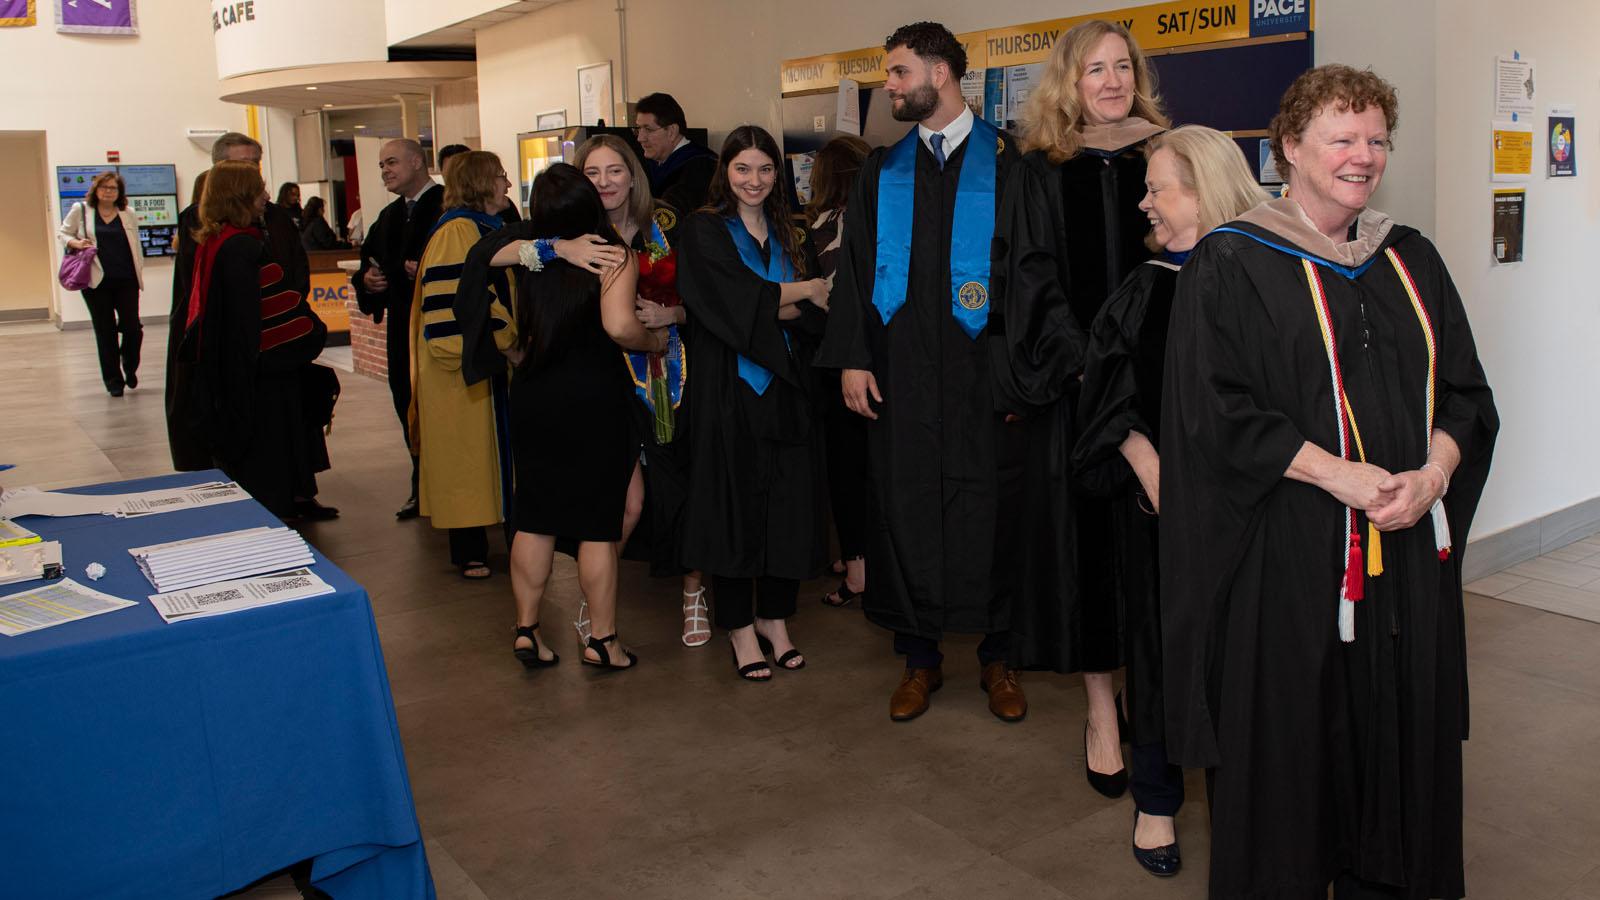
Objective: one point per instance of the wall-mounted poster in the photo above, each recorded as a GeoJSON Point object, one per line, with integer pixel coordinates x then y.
{"type": "Point", "coordinates": [1512, 151]}
{"type": "Point", "coordinates": [17, 14]}
{"type": "Point", "coordinates": [1510, 219]}
{"type": "Point", "coordinates": [594, 94]}
{"type": "Point", "coordinates": [97, 17]}
{"type": "Point", "coordinates": [1561, 159]}
{"type": "Point", "coordinates": [545, 121]}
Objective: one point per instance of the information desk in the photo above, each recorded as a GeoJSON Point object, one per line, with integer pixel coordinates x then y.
{"type": "Point", "coordinates": [141, 759]}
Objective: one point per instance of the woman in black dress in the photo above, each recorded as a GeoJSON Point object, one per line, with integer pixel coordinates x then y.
{"type": "Point", "coordinates": [1196, 180]}
{"type": "Point", "coordinates": [569, 417]}
{"type": "Point", "coordinates": [755, 518]}
{"type": "Point", "coordinates": [1074, 232]}
{"type": "Point", "coordinates": [832, 176]}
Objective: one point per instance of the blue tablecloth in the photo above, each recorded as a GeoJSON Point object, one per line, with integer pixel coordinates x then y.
{"type": "Point", "coordinates": [141, 759]}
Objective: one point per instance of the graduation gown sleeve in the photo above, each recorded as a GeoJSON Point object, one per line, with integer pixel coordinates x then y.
{"type": "Point", "coordinates": [1108, 408]}
{"type": "Point", "coordinates": [1044, 340]}
{"type": "Point", "coordinates": [1223, 451]}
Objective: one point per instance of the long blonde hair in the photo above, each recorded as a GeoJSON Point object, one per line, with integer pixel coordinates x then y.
{"type": "Point", "coordinates": [1212, 167]}
{"type": "Point", "coordinates": [640, 205]}
{"type": "Point", "coordinates": [1052, 119]}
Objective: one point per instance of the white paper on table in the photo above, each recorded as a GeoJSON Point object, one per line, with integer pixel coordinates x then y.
{"type": "Point", "coordinates": [26, 562]}
{"type": "Point", "coordinates": [176, 565]}
{"type": "Point", "coordinates": [233, 596]}
{"type": "Point", "coordinates": [191, 497]}
{"type": "Point", "coordinates": [53, 604]}
{"type": "Point", "coordinates": [30, 501]}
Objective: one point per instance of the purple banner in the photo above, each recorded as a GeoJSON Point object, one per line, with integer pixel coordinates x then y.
{"type": "Point", "coordinates": [16, 13]}
{"type": "Point", "coordinates": [97, 17]}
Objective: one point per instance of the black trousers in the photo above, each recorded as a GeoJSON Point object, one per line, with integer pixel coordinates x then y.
{"type": "Point", "coordinates": [397, 339]}
{"type": "Point", "coordinates": [1157, 784]}
{"type": "Point", "coordinates": [114, 312]}
{"type": "Point", "coordinates": [924, 653]}
{"type": "Point", "coordinates": [737, 602]}
{"type": "Point", "coordinates": [469, 545]}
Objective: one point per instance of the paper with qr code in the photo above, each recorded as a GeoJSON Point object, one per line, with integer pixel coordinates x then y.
{"type": "Point", "coordinates": [232, 596]}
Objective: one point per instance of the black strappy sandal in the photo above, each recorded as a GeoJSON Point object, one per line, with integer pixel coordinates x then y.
{"type": "Point", "coordinates": [598, 645]}
{"type": "Point", "coordinates": [782, 661]}
{"type": "Point", "coordinates": [529, 656]}
{"type": "Point", "coordinates": [747, 672]}
{"type": "Point", "coordinates": [844, 594]}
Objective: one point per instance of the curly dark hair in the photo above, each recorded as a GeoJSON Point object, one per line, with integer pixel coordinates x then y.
{"type": "Point", "coordinates": [1334, 85]}
{"type": "Point", "coordinates": [930, 41]}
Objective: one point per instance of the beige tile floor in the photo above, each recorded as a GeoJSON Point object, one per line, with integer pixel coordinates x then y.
{"type": "Point", "coordinates": [678, 781]}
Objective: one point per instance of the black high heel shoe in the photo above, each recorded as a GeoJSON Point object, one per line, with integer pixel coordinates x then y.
{"type": "Point", "coordinates": [748, 672]}
{"type": "Point", "coordinates": [1163, 861]}
{"type": "Point", "coordinates": [782, 661]}
{"type": "Point", "coordinates": [529, 656]}
{"type": "Point", "coordinates": [604, 663]}
{"type": "Point", "coordinates": [1113, 785]}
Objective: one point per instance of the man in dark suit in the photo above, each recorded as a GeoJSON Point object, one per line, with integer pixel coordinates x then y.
{"type": "Point", "coordinates": [388, 270]}
{"type": "Point", "coordinates": [680, 170]}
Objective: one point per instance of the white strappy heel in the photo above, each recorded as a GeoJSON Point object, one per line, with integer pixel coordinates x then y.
{"type": "Point", "coordinates": [694, 615]}
{"type": "Point", "coordinates": [581, 624]}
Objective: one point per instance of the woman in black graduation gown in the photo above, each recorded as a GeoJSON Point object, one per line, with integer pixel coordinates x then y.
{"type": "Point", "coordinates": [755, 515]}
{"type": "Point", "coordinates": [1322, 397]}
{"type": "Point", "coordinates": [569, 418]}
{"type": "Point", "coordinates": [1196, 179]}
{"type": "Point", "coordinates": [833, 175]}
{"type": "Point", "coordinates": [248, 335]}
{"type": "Point", "coordinates": [1074, 232]}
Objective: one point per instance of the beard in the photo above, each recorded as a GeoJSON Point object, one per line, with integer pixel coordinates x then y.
{"type": "Point", "coordinates": [916, 104]}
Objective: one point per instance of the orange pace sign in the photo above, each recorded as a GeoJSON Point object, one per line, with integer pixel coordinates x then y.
{"type": "Point", "coordinates": [1157, 26]}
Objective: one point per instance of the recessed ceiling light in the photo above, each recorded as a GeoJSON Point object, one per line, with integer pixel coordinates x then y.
{"type": "Point", "coordinates": [361, 126]}
{"type": "Point", "coordinates": [327, 106]}
{"type": "Point", "coordinates": [311, 87]}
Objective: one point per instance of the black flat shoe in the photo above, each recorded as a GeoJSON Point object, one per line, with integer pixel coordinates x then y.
{"type": "Point", "coordinates": [132, 380]}
{"type": "Point", "coordinates": [1162, 862]}
{"type": "Point", "coordinates": [604, 663]}
{"type": "Point", "coordinates": [529, 656]}
{"type": "Point", "coordinates": [1113, 785]}
{"type": "Point", "coordinates": [314, 511]}
{"type": "Point", "coordinates": [115, 391]}
{"type": "Point", "coordinates": [409, 511]}
{"type": "Point", "coordinates": [782, 661]}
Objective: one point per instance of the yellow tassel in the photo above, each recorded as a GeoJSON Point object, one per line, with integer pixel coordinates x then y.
{"type": "Point", "coordinates": [1374, 551]}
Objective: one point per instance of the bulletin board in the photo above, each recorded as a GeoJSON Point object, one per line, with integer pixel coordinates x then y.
{"type": "Point", "coordinates": [152, 195]}
{"type": "Point", "coordinates": [1221, 64]}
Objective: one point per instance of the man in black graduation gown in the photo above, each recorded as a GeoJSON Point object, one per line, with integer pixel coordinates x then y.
{"type": "Point", "coordinates": [924, 361]}
{"type": "Point", "coordinates": [395, 243]}
{"type": "Point", "coordinates": [680, 170]}
{"type": "Point", "coordinates": [284, 245]}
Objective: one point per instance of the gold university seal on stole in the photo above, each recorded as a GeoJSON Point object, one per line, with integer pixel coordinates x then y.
{"type": "Point", "coordinates": [972, 295]}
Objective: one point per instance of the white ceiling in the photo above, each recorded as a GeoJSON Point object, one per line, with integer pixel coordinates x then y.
{"type": "Point", "coordinates": [464, 33]}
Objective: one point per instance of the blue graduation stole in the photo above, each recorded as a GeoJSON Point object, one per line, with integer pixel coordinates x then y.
{"type": "Point", "coordinates": [969, 241]}
{"type": "Point", "coordinates": [776, 268]}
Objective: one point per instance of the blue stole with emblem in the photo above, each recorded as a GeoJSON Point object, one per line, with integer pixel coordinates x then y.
{"type": "Point", "coordinates": [970, 238]}
{"type": "Point", "coordinates": [776, 269]}
{"type": "Point", "coordinates": [485, 222]}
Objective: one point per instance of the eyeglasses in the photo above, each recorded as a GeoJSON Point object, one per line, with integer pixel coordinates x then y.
{"type": "Point", "coordinates": [647, 129]}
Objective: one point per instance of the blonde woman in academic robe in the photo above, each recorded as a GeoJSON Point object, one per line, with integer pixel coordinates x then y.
{"type": "Point", "coordinates": [460, 434]}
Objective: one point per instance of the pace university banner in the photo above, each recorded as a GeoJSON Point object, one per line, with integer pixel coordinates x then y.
{"type": "Point", "coordinates": [97, 17]}
{"type": "Point", "coordinates": [17, 13]}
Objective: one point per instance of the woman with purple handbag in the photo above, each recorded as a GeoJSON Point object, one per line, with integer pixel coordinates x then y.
{"type": "Point", "coordinates": [103, 259]}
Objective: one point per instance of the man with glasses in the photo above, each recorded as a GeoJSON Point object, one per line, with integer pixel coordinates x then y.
{"type": "Point", "coordinates": [680, 170]}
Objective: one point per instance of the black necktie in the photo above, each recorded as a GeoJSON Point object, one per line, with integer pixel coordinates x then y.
{"type": "Point", "coordinates": [410, 205]}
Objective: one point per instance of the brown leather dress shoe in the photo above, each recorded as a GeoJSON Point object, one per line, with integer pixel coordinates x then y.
{"type": "Point", "coordinates": [1004, 688]}
{"type": "Point", "coordinates": [910, 699]}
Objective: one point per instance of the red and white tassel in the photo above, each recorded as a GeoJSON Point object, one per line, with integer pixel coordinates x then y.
{"type": "Point", "coordinates": [1441, 530]}
{"type": "Point", "coordinates": [1353, 589]}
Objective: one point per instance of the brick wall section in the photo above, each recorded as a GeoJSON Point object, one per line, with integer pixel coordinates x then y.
{"type": "Point", "coordinates": [368, 343]}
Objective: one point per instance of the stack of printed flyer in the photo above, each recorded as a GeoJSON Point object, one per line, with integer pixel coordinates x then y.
{"type": "Point", "coordinates": [221, 557]}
